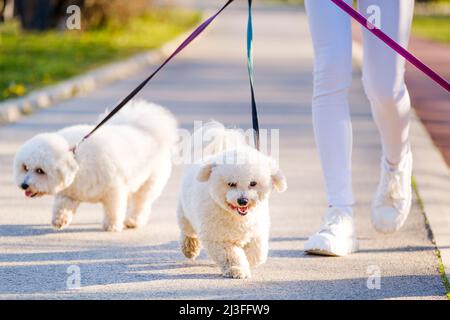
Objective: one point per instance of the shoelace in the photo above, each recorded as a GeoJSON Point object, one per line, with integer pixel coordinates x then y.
{"type": "Point", "coordinates": [331, 221]}
{"type": "Point", "coordinates": [395, 186]}
{"type": "Point", "coordinates": [392, 189]}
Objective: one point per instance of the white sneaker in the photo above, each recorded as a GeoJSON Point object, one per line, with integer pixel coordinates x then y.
{"type": "Point", "coordinates": [336, 236]}
{"type": "Point", "coordinates": [392, 202]}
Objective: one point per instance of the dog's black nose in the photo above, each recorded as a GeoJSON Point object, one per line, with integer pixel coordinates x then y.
{"type": "Point", "coordinates": [24, 186]}
{"type": "Point", "coordinates": [242, 201]}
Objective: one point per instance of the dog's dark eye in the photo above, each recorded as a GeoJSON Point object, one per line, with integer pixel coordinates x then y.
{"type": "Point", "coordinates": [40, 171]}
{"type": "Point", "coordinates": [232, 184]}
{"type": "Point", "coordinates": [25, 168]}
{"type": "Point", "coordinates": [253, 183]}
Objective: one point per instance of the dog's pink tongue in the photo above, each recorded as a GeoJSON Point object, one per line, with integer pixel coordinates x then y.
{"type": "Point", "coordinates": [242, 210]}
{"type": "Point", "coordinates": [28, 194]}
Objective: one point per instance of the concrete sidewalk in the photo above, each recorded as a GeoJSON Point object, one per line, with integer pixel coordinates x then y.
{"type": "Point", "coordinates": [209, 81]}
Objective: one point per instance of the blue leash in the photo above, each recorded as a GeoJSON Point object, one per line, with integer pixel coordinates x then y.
{"type": "Point", "coordinates": [250, 74]}
{"type": "Point", "coordinates": [180, 48]}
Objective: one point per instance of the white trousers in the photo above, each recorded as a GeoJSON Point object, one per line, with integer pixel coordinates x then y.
{"type": "Point", "coordinates": [383, 79]}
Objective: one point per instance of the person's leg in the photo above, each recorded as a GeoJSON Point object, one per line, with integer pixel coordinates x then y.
{"type": "Point", "coordinates": [383, 75]}
{"type": "Point", "coordinates": [331, 34]}
{"type": "Point", "coordinates": [383, 78]}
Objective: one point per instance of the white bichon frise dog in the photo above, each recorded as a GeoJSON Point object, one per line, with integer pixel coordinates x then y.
{"type": "Point", "coordinates": [223, 202]}
{"type": "Point", "coordinates": [124, 165]}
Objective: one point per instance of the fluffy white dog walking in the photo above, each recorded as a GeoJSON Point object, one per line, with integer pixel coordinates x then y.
{"type": "Point", "coordinates": [124, 165]}
{"type": "Point", "coordinates": [223, 202]}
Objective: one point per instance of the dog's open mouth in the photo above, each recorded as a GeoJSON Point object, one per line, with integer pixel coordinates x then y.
{"type": "Point", "coordinates": [242, 210]}
{"type": "Point", "coordinates": [31, 194]}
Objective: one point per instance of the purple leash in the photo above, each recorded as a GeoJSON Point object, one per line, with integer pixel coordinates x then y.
{"type": "Point", "coordinates": [394, 45]}
{"type": "Point", "coordinates": [133, 93]}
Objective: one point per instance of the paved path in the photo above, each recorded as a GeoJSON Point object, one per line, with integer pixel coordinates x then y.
{"type": "Point", "coordinates": [210, 81]}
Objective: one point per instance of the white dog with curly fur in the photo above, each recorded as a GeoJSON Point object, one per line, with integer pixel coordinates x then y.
{"type": "Point", "coordinates": [124, 165]}
{"type": "Point", "coordinates": [224, 202]}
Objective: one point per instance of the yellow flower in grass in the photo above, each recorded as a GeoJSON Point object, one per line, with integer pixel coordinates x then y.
{"type": "Point", "coordinates": [15, 90]}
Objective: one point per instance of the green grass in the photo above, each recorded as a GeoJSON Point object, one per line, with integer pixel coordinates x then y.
{"type": "Point", "coordinates": [430, 234]}
{"type": "Point", "coordinates": [435, 28]}
{"type": "Point", "coordinates": [31, 60]}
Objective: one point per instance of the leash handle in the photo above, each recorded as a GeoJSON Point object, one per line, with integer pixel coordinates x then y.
{"type": "Point", "coordinates": [133, 93]}
{"type": "Point", "coordinates": [394, 45]}
{"type": "Point", "coordinates": [255, 122]}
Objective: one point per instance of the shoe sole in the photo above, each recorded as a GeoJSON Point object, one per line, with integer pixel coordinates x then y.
{"type": "Point", "coordinates": [326, 253]}
{"type": "Point", "coordinates": [319, 252]}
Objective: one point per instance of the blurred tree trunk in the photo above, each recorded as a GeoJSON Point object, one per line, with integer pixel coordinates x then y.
{"type": "Point", "coordinates": [34, 14]}
{"type": "Point", "coordinates": [43, 14]}
{"type": "Point", "coordinates": [2, 10]}
{"type": "Point", "coordinates": [46, 14]}
{"type": "Point", "coordinates": [6, 10]}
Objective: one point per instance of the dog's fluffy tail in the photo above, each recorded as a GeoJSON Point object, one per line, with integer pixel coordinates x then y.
{"type": "Point", "coordinates": [213, 138]}
{"type": "Point", "coordinates": [151, 118]}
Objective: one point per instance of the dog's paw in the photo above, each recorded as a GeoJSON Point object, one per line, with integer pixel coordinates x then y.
{"type": "Point", "coordinates": [61, 222]}
{"type": "Point", "coordinates": [113, 227]}
{"type": "Point", "coordinates": [190, 247]}
{"type": "Point", "coordinates": [133, 223]}
{"type": "Point", "coordinates": [237, 273]}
